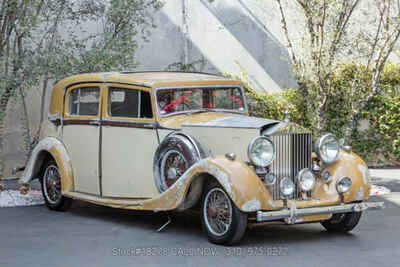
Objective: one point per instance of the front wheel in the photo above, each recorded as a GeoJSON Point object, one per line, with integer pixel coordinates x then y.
{"type": "Point", "coordinates": [342, 222]}
{"type": "Point", "coordinates": [51, 188]}
{"type": "Point", "coordinates": [222, 221]}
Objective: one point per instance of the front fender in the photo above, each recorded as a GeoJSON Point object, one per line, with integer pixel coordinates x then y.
{"type": "Point", "coordinates": [348, 165]}
{"type": "Point", "coordinates": [240, 182]}
{"type": "Point", "coordinates": [56, 149]}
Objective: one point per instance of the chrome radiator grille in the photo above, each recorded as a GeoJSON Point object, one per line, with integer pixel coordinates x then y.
{"type": "Point", "coordinates": [293, 153]}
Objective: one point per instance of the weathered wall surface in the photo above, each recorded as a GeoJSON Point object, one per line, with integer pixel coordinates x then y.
{"type": "Point", "coordinates": [234, 36]}
{"type": "Point", "coordinates": [228, 35]}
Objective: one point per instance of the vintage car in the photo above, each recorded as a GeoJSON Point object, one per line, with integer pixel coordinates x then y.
{"type": "Point", "coordinates": [172, 141]}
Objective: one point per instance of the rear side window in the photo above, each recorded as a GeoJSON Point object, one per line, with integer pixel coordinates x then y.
{"type": "Point", "coordinates": [129, 103]}
{"type": "Point", "coordinates": [84, 101]}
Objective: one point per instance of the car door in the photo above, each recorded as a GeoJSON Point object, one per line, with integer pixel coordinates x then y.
{"type": "Point", "coordinates": [81, 133]}
{"type": "Point", "coordinates": [129, 141]}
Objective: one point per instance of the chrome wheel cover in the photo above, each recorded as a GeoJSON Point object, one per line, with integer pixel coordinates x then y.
{"type": "Point", "coordinates": [217, 211]}
{"type": "Point", "coordinates": [173, 165]}
{"type": "Point", "coordinates": [52, 184]}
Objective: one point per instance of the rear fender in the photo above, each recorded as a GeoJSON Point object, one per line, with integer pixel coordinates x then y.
{"type": "Point", "coordinates": [56, 149]}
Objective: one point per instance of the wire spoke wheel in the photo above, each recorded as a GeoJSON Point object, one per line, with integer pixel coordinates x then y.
{"type": "Point", "coordinates": [218, 212]}
{"type": "Point", "coordinates": [52, 184]}
{"type": "Point", "coordinates": [173, 166]}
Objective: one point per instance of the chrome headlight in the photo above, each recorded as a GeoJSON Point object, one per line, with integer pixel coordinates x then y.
{"type": "Point", "coordinates": [327, 148]}
{"type": "Point", "coordinates": [270, 178]}
{"type": "Point", "coordinates": [343, 185]}
{"type": "Point", "coordinates": [287, 187]}
{"type": "Point", "coordinates": [261, 151]}
{"type": "Point", "coordinates": [306, 180]}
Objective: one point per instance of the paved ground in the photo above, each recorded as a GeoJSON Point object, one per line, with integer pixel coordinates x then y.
{"type": "Point", "coordinates": [89, 235]}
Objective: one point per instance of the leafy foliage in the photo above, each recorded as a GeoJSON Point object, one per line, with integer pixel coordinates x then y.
{"type": "Point", "coordinates": [44, 40]}
{"type": "Point", "coordinates": [331, 35]}
{"type": "Point", "coordinates": [379, 143]}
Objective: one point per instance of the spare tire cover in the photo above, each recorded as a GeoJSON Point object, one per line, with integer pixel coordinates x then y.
{"type": "Point", "coordinates": [173, 157]}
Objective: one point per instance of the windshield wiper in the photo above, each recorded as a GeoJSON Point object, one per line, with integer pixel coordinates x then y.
{"type": "Point", "coordinates": [203, 110]}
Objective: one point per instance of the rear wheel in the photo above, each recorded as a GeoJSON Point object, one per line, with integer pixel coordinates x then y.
{"type": "Point", "coordinates": [51, 188]}
{"type": "Point", "coordinates": [343, 222]}
{"type": "Point", "coordinates": [222, 221]}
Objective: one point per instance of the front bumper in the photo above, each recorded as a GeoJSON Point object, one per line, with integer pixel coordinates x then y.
{"type": "Point", "coordinates": [292, 212]}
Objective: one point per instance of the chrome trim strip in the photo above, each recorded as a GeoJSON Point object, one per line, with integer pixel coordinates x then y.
{"type": "Point", "coordinates": [129, 124]}
{"type": "Point", "coordinates": [111, 81]}
{"type": "Point", "coordinates": [292, 213]}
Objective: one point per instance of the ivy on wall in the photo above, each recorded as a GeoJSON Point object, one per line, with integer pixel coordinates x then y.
{"type": "Point", "coordinates": [377, 135]}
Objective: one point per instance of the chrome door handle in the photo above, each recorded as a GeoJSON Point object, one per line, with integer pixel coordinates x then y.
{"type": "Point", "coordinates": [96, 123]}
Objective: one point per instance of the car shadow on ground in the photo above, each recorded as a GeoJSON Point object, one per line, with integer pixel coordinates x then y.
{"type": "Point", "coordinates": [188, 224]}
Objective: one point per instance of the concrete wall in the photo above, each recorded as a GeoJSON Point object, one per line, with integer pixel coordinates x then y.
{"type": "Point", "coordinates": [234, 36]}
{"type": "Point", "coordinates": [231, 36]}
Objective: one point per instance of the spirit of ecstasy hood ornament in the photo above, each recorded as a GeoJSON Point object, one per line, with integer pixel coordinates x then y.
{"type": "Point", "coordinates": [286, 116]}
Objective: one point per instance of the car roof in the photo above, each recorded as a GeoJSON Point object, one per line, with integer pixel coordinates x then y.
{"type": "Point", "coordinates": [150, 79]}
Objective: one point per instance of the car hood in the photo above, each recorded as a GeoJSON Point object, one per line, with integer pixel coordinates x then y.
{"type": "Point", "coordinates": [219, 120]}
{"type": "Point", "coordinates": [221, 133]}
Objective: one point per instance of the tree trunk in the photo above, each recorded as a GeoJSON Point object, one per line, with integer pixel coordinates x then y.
{"type": "Point", "coordinates": [4, 99]}
{"type": "Point", "coordinates": [351, 127]}
{"type": "Point", "coordinates": [27, 133]}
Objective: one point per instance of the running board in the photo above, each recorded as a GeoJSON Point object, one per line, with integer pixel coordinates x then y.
{"type": "Point", "coordinates": [108, 201]}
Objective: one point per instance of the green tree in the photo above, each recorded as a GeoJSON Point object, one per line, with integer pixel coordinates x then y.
{"type": "Point", "coordinates": [43, 40]}
{"type": "Point", "coordinates": [322, 35]}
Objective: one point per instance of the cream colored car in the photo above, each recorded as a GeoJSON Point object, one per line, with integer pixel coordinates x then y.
{"type": "Point", "coordinates": [170, 141]}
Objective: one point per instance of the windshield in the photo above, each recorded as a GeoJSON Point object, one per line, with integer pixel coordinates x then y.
{"type": "Point", "coordinates": [198, 99]}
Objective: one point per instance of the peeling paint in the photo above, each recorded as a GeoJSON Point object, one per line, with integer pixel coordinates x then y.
{"type": "Point", "coordinates": [364, 171]}
{"type": "Point", "coordinates": [63, 152]}
{"type": "Point", "coordinates": [359, 194]}
{"type": "Point", "coordinates": [223, 179]}
{"type": "Point", "coordinates": [45, 144]}
{"type": "Point", "coordinates": [326, 189]}
{"type": "Point", "coordinates": [330, 189]}
{"type": "Point", "coordinates": [251, 205]}
{"type": "Point", "coordinates": [271, 203]}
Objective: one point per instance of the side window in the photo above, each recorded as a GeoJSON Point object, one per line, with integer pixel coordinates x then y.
{"type": "Point", "coordinates": [84, 101]}
{"type": "Point", "coordinates": [129, 103]}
